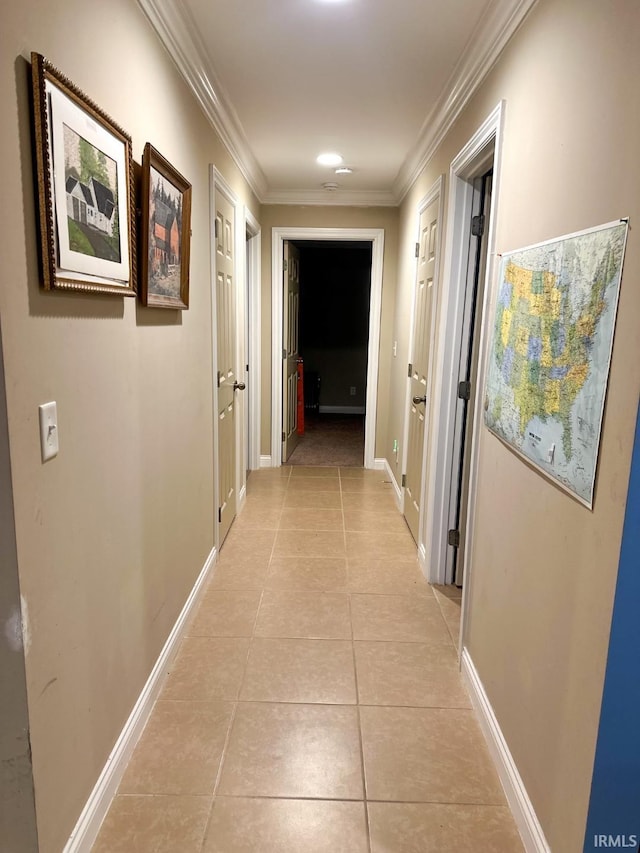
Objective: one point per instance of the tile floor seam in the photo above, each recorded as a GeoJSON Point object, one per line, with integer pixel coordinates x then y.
{"type": "Point", "coordinates": [231, 796]}
{"type": "Point", "coordinates": [439, 645]}
{"type": "Point", "coordinates": [228, 733]}
{"type": "Point", "coordinates": [219, 774]}
{"type": "Point", "coordinates": [235, 708]}
{"type": "Point", "coordinates": [268, 572]}
{"type": "Point", "coordinates": [364, 778]}
{"type": "Point", "coordinates": [422, 802]}
{"type": "Point", "coordinates": [317, 704]}
{"type": "Point", "coordinates": [307, 702]}
{"type": "Point", "coordinates": [419, 707]}
{"type": "Point", "coordinates": [392, 595]}
{"type": "Point", "coordinates": [386, 594]}
{"type": "Point", "coordinates": [455, 639]}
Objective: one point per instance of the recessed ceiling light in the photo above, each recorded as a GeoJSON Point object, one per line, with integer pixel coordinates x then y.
{"type": "Point", "coordinates": [331, 186]}
{"type": "Point", "coordinates": [329, 158]}
{"type": "Point", "coordinates": [344, 170]}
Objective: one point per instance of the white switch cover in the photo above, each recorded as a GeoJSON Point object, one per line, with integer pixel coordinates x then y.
{"type": "Point", "coordinates": [48, 430]}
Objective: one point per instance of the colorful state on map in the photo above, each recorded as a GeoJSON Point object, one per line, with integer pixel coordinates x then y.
{"type": "Point", "coordinates": [549, 360]}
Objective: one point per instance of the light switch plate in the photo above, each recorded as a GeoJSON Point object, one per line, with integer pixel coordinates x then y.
{"type": "Point", "coordinates": [48, 413]}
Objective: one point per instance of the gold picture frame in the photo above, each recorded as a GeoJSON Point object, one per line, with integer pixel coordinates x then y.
{"type": "Point", "coordinates": [86, 198]}
{"type": "Point", "coordinates": [165, 233]}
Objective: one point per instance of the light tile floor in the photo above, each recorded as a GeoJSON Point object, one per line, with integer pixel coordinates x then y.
{"type": "Point", "coordinates": [315, 704]}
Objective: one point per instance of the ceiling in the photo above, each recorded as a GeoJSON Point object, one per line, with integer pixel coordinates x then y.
{"type": "Point", "coordinates": [378, 81]}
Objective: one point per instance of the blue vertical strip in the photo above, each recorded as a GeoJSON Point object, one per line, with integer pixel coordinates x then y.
{"type": "Point", "coordinates": [614, 808]}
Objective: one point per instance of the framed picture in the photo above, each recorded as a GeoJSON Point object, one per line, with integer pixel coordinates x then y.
{"type": "Point", "coordinates": [85, 189]}
{"type": "Point", "coordinates": [165, 241]}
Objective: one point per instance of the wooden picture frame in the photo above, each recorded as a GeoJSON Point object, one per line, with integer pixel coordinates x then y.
{"type": "Point", "coordinates": [86, 195]}
{"type": "Point", "coordinates": [165, 233]}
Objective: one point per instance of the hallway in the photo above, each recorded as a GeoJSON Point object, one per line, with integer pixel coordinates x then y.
{"type": "Point", "coordinates": [315, 703]}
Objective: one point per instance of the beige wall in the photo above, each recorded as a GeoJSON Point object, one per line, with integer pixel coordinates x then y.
{"type": "Point", "coordinates": [544, 567]}
{"type": "Point", "coordinates": [17, 805]}
{"type": "Point", "coordinates": [111, 534]}
{"type": "Point", "coordinates": [289, 216]}
{"type": "Point", "coordinates": [339, 368]}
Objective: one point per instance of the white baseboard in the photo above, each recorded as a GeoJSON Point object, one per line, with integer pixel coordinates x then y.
{"type": "Point", "coordinates": [265, 462]}
{"type": "Point", "coordinates": [342, 410]}
{"type": "Point", "coordinates": [396, 488]}
{"type": "Point", "coordinates": [86, 829]}
{"type": "Point", "coordinates": [517, 797]}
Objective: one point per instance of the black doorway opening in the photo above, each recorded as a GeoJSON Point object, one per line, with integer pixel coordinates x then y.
{"type": "Point", "coordinates": [335, 292]}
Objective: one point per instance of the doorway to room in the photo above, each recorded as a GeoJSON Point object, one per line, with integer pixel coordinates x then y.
{"type": "Point", "coordinates": [350, 321]}
{"type": "Point", "coordinates": [333, 337]}
{"type": "Point", "coordinates": [462, 334]}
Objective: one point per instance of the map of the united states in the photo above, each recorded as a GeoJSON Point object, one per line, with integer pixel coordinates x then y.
{"type": "Point", "coordinates": [551, 346]}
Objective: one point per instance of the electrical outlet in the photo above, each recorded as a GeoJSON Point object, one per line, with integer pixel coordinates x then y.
{"type": "Point", "coordinates": [352, 390]}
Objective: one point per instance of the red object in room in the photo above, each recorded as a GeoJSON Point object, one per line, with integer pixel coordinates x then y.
{"type": "Point", "coordinates": [300, 397]}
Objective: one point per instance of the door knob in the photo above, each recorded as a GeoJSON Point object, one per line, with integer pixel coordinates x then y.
{"type": "Point", "coordinates": [239, 386]}
{"type": "Point", "coordinates": [418, 400]}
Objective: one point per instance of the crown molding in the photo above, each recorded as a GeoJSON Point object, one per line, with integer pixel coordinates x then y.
{"type": "Point", "coordinates": [175, 29]}
{"type": "Point", "coordinates": [333, 198]}
{"type": "Point", "coordinates": [487, 42]}
{"type": "Point", "coordinates": [173, 24]}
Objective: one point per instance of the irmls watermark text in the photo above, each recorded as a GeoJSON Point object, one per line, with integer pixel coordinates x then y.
{"type": "Point", "coordinates": [622, 842]}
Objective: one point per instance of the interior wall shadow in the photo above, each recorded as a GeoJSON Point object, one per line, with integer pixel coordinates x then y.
{"type": "Point", "coordinates": [17, 804]}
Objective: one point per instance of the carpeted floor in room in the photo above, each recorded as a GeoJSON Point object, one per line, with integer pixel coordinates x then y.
{"type": "Point", "coordinates": [330, 440]}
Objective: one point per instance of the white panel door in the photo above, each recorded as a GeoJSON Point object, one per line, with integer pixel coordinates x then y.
{"type": "Point", "coordinates": [290, 349]}
{"type": "Point", "coordinates": [226, 351]}
{"type": "Point", "coordinates": [419, 365]}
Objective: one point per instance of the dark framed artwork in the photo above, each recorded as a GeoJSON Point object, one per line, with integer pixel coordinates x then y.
{"type": "Point", "coordinates": [85, 189]}
{"type": "Point", "coordinates": [165, 240]}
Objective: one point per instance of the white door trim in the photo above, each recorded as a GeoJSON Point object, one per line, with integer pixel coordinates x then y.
{"type": "Point", "coordinates": [218, 184]}
{"type": "Point", "coordinates": [438, 498]}
{"type": "Point", "coordinates": [435, 192]}
{"type": "Point", "coordinates": [376, 237]}
{"type": "Point", "coordinates": [253, 273]}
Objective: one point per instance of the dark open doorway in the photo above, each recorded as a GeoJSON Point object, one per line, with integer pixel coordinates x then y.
{"type": "Point", "coordinates": [335, 291]}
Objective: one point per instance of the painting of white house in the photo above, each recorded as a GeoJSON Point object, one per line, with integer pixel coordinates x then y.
{"type": "Point", "coordinates": [91, 182]}
{"type": "Point", "coordinates": [165, 228]}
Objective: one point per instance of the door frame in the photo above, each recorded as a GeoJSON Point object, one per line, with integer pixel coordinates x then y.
{"type": "Point", "coordinates": [375, 236]}
{"type": "Point", "coordinates": [472, 312]}
{"type": "Point", "coordinates": [436, 191]}
{"type": "Point", "coordinates": [252, 281]}
{"type": "Point", "coordinates": [218, 184]}
{"type": "Point", "coordinates": [485, 146]}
